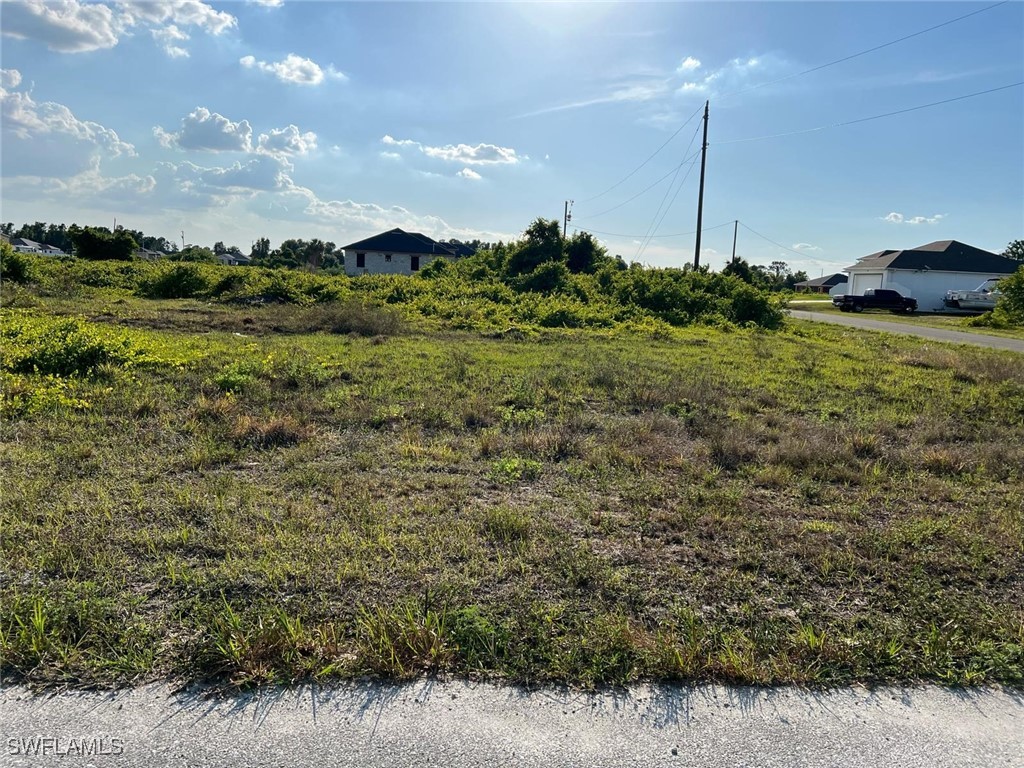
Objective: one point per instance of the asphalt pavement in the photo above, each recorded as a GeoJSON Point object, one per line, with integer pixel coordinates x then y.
{"type": "Point", "coordinates": [936, 334]}
{"type": "Point", "coordinates": [430, 723]}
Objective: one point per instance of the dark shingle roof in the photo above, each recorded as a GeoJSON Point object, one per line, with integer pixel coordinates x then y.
{"type": "Point", "coordinates": [943, 255]}
{"type": "Point", "coordinates": [400, 241]}
{"type": "Point", "coordinates": [829, 280]}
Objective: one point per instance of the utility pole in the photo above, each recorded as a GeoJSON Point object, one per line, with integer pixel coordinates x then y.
{"type": "Point", "coordinates": [735, 230]}
{"type": "Point", "coordinates": [700, 198]}
{"type": "Point", "coordinates": [567, 217]}
{"type": "Point", "coordinates": [183, 239]}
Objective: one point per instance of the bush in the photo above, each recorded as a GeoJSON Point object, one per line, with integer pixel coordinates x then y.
{"type": "Point", "coordinates": [181, 281]}
{"type": "Point", "coordinates": [63, 347]}
{"type": "Point", "coordinates": [15, 267]}
{"type": "Point", "coordinates": [1011, 303]}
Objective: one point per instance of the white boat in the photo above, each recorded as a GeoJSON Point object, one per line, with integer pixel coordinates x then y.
{"type": "Point", "coordinates": [981, 299]}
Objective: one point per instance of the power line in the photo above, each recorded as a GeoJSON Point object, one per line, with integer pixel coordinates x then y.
{"type": "Point", "coordinates": [780, 245]}
{"type": "Point", "coordinates": [645, 162]}
{"type": "Point", "coordinates": [652, 227]}
{"type": "Point", "coordinates": [866, 51]}
{"type": "Point", "coordinates": [656, 183]}
{"type": "Point", "coordinates": [873, 117]}
{"type": "Point", "coordinates": [674, 234]}
{"type": "Point", "coordinates": [789, 77]}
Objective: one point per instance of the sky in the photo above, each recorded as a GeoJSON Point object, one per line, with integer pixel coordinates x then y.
{"type": "Point", "coordinates": [230, 121]}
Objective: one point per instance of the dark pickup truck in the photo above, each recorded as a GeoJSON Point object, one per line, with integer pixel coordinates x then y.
{"type": "Point", "coordinates": [876, 298]}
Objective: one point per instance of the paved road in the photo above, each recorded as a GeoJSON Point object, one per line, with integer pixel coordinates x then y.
{"type": "Point", "coordinates": [459, 724]}
{"type": "Point", "coordinates": [938, 334]}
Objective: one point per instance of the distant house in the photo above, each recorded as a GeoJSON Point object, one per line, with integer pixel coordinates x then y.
{"type": "Point", "coordinates": [821, 284]}
{"type": "Point", "coordinates": [234, 259]}
{"type": "Point", "coordinates": [928, 271]}
{"type": "Point", "coordinates": [398, 252]}
{"type": "Point", "coordinates": [23, 245]}
{"type": "Point", "coordinates": [148, 255]}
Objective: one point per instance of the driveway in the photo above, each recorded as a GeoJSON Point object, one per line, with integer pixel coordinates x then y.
{"type": "Point", "coordinates": [937, 334]}
{"type": "Point", "coordinates": [460, 724]}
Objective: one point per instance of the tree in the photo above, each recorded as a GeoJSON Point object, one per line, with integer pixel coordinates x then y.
{"type": "Point", "coordinates": [778, 268]}
{"type": "Point", "coordinates": [1011, 302]}
{"type": "Point", "coordinates": [741, 269]}
{"type": "Point", "coordinates": [584, 254]}
{"type": "Point", "coordinates": [795, 277]}
{"type": "Point", "coordinates": [260, 250]}
{"type": "Point", "coordinates": [195, 253]}
{"type": "Point", "coordinates": [542, 242]}
{"type": "Point", "coordinates": [99, 244]}
{"type": "Point", "coordinates": [1015, 250]}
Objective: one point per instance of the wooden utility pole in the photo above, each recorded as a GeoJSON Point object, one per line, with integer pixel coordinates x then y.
{"type": "Point", "coordinates": [735, 230]}
{"type": "Point", "coordinates": [566, 218]}
{"type": "Point", "coordinates": [700, 198]}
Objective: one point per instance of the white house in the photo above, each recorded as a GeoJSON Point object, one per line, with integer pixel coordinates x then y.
{"type": "Point", "coordinates": [398, 253]}
{"type": "Point", "coordinates": [928, 271]}
{"type": "Point", "coordinates": [23, 245]}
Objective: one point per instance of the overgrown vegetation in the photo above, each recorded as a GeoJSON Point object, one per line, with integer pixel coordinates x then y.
{"type": "Point", "coordinates": [251, 491]}
{"type": "Point", "coordinates": [1009, 311]}
{"type": "Point", "coordinates": [542, 281]}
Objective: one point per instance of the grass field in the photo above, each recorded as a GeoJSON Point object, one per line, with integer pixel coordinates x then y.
{"type": "Point", "coordinates": [946, 322]}
{"type": "Point", "coordinates": [201, 491]}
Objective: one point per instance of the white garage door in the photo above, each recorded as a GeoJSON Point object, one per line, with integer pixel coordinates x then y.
{"type": "Point", "coordinates": [863, 282]}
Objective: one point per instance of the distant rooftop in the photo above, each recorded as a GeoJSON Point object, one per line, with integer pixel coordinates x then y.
{"type": "Point", "coordinates": [942, 255]}
{"type": "Point", "coordinates": [400, 241]}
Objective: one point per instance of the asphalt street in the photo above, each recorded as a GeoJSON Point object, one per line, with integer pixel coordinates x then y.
{"type": "Point", "coordinates": [460, 724]}
{"type": "Point", "coordinates": [936, 334]}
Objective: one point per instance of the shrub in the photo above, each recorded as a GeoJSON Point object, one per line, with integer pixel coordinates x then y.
{"type": "Point", "coordinates": [185, 280]}
{"type": "Point", "coordinates": [15, 267]}
{"type": "Point", "coordinates": [64, 347]}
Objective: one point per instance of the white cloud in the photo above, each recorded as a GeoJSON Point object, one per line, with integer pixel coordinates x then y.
{"type": "Point", "coordinates": [26, 119]}
{"type": "Point", "coordinates": [191, 13]}
{"type": "Point", "coordinates": [363, 219]}
{"type": "Point", "coordinates": [63, 25]}
{"type": "Point", "coordinates": [268, 3]}
{"type": "Point", "coordinates": [294, 69]}
{"type": "Point", "coordinates": [391, 155]}
{"type": "Point", "coordinates": [805, 247]}
{"type": "Point", "coordinates": [71, 26]}
{"type": "Point", "coordinates": [659, 87]}
{"type": "Point", "coordinates": [10, 78]}
{"type": "Point", "coordinates": [390, 140]}
{"type": "Point", "coordinates": [90, 185]}
{"type": "Point", "coordinates": [478, 154]}
{"type": "Point", "coordinates": [288, 141]}
{"type": "Point", "coordinates": [899, 218]}
{"type": "Point", "coordinates": [735, 74]}
{"type": "Point", "coordinates": [469, 173]}
{"type": "Point", "coordinates": [262, 172]}
{"type": "Point", "coordinates": [168, 36]}
{"type": "Point", "coordinates": [206, 130]}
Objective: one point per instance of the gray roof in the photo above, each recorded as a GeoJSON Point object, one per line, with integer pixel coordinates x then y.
{"type": "Point", "coordinates": [942, 255]}
{"type": "Point", "coordinates": [828, 280]}
{"type": "Point", "coordinates": [400, 241]}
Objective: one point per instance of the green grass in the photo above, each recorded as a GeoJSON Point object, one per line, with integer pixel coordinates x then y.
{"type": "Point", "coordinates": [271, 500]}
{"type": "Point", "coordinates": [945, 322]}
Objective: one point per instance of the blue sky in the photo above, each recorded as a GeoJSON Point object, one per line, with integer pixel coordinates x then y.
{"type": "Point", "coordinates": [237, 120]}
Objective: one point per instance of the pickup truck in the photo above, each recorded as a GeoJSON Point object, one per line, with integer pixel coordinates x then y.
{"type": "Point", "coordinates": [875, 298]}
